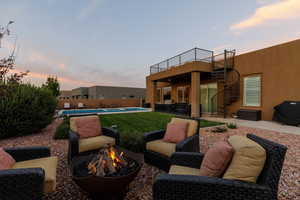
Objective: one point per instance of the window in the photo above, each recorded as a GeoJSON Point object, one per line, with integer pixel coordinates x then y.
{"type": "Point", "coordinates": [182, 96]}
{"type": "Point", "coordinates": [158, 95]}
{"type": "Point", "coordinates": [167, 95]}
{"type": "Point", "coordinates": [252, 91]}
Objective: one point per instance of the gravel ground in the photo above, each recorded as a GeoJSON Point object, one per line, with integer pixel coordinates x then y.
{"type": "Point", "coordinates": [140, 188]}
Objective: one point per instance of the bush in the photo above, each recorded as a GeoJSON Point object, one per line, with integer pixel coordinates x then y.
{"type": "Point", "coordinates": [25, 109]}
{"type": "Point", "coordinates": [132, 141]}
{"type": "Point", "coordinates": [219, 129]}
{"type": "Point", "coordinates": [232, 126]}
{"type": "Point", "coordinates": [62, 131]}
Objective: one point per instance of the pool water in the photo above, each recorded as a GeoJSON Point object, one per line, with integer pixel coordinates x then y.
{"type": "Point", "coordinates": [100, 111]}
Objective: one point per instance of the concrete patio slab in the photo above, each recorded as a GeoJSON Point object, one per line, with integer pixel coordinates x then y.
{"type": "Point", "coordinates": [267, 125]}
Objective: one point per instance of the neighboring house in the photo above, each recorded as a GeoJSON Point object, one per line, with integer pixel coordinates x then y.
{"type": "Point", "coordinates": [104, 92]}
{"type": "Point", "coordinates": [225, 83]}
{"type": "Point", "coordinates": [65, 94]}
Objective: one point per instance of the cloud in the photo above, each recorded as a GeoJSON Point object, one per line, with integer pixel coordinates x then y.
{"type": "Point", "coordinates": [89, 9]}
{"type": "Point", "coordinates": [283, 10]}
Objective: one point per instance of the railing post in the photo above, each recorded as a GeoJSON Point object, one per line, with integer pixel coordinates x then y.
{"type": "Point", "coordinates": [168, 64]}
{"type": "Point", "coordinates": [195, 53]}
{"type": "Point", "coordinates": [179, 59]}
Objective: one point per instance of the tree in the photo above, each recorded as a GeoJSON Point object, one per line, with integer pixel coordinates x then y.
{"type": "Point", "coordinates": [53, 85]}
{"type": "Point", "coordinates": [8, 64]}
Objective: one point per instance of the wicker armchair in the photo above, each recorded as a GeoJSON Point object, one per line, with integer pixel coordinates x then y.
{"type": "Point", "coordinates": [74, 141]}
{"type": "Point", "coordinates": [190, 144]}
{"type": "Point", "coordinates": [173, 187]}
{"type": "Point", "coordinates": [24, 183]}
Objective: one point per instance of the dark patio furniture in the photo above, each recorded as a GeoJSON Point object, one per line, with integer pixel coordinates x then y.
{"type": "Point", "coordinates": [190, 144]}
{"type": "Point", "coordinates": [253, 115]}
{"type": "Point", "coordinates": [26, 183]}
{"type": "Point", "coordinates": [173, 187]}
{"type": "Point", "coordinates": [74, 140]}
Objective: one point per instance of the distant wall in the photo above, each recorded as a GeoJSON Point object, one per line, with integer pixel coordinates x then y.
{"type": "Point", "coordinates": [100, 103]}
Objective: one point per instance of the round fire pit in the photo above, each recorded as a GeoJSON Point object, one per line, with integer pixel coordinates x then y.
{"type": "Point", "coordinates": [111, 186]}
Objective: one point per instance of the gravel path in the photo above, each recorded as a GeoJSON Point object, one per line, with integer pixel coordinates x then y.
{"type": "Point", "coordinates": [141, 187]}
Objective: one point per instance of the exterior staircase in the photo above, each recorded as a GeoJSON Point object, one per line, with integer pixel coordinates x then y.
{"type": "Point", "coordinates": [225, 74]}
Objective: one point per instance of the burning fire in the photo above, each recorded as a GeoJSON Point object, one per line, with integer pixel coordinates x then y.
{"type": "Point", "coordinates": [115, 158]}
{"type": "Point", "coordinates": [108, 161]}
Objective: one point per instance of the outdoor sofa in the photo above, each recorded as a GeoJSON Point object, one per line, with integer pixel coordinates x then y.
{"type": "Point", "coordinates": [158, 153]}
{"type": "Point", "coordinates": [33, 174]}
{"type": "Point", "coordinates": [192, 187]}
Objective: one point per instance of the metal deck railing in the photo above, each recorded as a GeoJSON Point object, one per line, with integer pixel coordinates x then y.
{"type": "Point", "coordinates": [195, 54]}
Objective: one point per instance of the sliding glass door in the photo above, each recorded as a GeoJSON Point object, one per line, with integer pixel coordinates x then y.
{"type": "Point", "coordinates": [208, 91]}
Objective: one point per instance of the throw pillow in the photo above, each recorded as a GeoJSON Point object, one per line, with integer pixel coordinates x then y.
{"type": "Point", "coordinates": [6, 160]}
{"type": "Point", "coordinates": [88, 126]}
{"type": "Point", "coordinates": [216, 159]}
{"type": "Point", "coordinates": [176, 132]}
{"type": "Point", "coordinates": [248, 160]}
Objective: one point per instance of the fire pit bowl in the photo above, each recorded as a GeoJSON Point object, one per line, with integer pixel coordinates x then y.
{"type": "Point", "coordinates": [113, 186]}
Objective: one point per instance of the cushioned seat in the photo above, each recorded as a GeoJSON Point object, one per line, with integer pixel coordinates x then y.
{"type": "Point", "coordinates": [182, 170]}
{"type": "Point", "coordinates": [93, 143]}
{"type": "Point", "coordinates": [48, 164]}
{"type": "Point", "coordinates": [162, 147]}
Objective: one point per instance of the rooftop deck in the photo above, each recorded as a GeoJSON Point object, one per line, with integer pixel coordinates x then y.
{"type": "Point", "coordinates": [203, 56]}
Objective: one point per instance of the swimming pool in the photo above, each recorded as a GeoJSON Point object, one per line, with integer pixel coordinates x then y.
{"type": "Point", "coordinates": [101, 111]}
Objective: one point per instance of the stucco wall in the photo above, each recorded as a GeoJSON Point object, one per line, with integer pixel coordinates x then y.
{"type": "Point", "coordinates": [279, 67]}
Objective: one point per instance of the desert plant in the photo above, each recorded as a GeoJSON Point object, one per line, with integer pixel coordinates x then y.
{"type": "Point", "coordinates": [25, 109]}
{"type": "Point", "coordinates": [231, 125]}
{"type": "Point", "coordinates": [62, 131]}
{"type": "Point", "coordinates": [219, 129]}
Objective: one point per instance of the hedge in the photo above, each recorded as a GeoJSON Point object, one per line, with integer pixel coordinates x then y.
{"type": "Point", "coordinates": [25, 109]}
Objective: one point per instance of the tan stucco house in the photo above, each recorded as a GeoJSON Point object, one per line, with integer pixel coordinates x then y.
{"type": "Point", "coordinates": [224, 84]}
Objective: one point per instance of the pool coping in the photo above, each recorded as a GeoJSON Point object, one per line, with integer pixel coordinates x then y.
{"type": "Point", "coordinates": [102, 113]}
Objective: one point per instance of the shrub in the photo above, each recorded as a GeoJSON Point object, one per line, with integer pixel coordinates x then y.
{"type": "Point", "coordinates": [25, 109]}
{"type": "Point", "coordinates": [132, 141]}
{"type": "Point", "coordinates": [219, 129]}
{"type": "Point", "coordinates": [62, 131]}
{"type": "Point", "coordinates": [231, 125]}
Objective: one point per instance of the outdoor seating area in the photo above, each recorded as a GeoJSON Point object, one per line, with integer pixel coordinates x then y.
{"type": "Point", "coordinates": [180, 169]}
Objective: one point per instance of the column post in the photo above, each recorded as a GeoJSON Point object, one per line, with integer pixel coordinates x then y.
{"type": "Point", "coordinates": [153, 94]}
{"type": "Point", "coordinates": [195, 94]}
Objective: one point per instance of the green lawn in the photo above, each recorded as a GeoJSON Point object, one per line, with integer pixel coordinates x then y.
{"type": "Point", "coordinates": [143, 122]}
{"type": "Point", "coordinates": [132, 126]}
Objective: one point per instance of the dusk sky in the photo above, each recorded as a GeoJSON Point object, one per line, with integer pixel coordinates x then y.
{"type": "Point", "coordinates": [110, 42]}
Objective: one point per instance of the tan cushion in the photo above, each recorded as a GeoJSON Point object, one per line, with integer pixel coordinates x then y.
{"type": "Point", "coordinates": [6, 160]}
{"type": "Point", "coordinates": [216, 159]}
{"type": "Point", "coordinates": [248, 159]}
{"type": "Point", "coordinates": [159, 146]}
{"type": "Point", "coordinates": [87, 126]}
{"type": "Point", "coordinates": [94, 143]}
{"type": "Point", "coordinates": [73, 125]}
{"type": "Point", "coordinates": [49, 165]}
{"type": "Point", "coordinates": [182, 170]}
{"type": "Point", "coordinates": [176, 132]}
{"type": "Point", "coordinates": [193, 125]}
